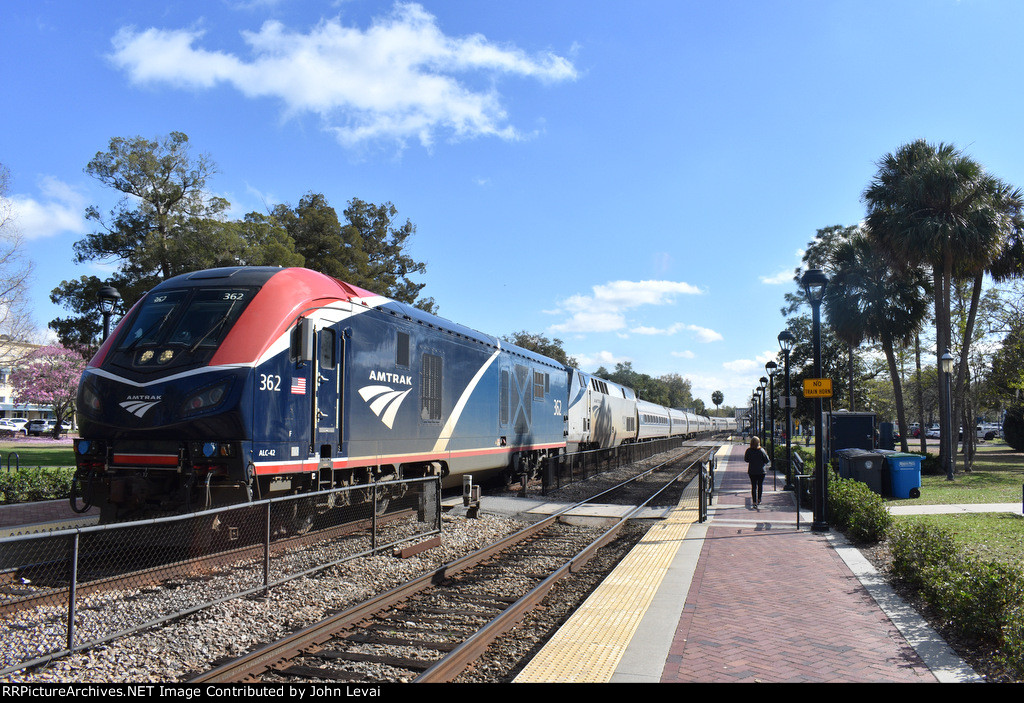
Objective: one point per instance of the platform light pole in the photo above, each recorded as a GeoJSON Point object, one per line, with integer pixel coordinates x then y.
{"type": "Point", "coordinates": [764, 418]}
{"type": "Point", "coordinates": [755, 431]}
{"type": "Point", "coordinates": [949, 444]}
{"type": "Point", "coordinates": [786, 340]}
{"type": "Point", "coordinates": [108, 296]}
{"type": "Point", "coordinates": [814, 282]}
{"type": "Point", "coordinates": [770, 368]}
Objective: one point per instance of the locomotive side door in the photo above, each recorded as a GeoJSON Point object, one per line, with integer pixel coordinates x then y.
{"type": "Point", "coordinates": [326, 382]}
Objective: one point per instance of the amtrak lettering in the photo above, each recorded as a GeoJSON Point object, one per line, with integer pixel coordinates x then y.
{"type": "Point", "coordinates": [385, 377]}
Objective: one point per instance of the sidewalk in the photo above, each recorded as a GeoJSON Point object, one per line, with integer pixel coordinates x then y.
{"type": "Point", "coordinates": [768, 602]}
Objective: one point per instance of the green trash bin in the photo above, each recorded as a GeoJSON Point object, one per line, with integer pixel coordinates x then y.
{"type": "Point", "coordinates": [904, 474]}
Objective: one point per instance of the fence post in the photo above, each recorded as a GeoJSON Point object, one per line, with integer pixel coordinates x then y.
{"type": "Point", "coordinates": [702, 510]}
{"type": "Point", "coordinates": [72, 591]}
{"type": "Point", "coordinates": [266, 548]}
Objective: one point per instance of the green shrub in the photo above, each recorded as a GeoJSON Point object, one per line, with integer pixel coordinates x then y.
{"type": "Point", "coordinates": [856, 510]}
{"type": "Point", "coordinates": [28, 485]}
{"type": "Point", "coordinates": [931, 466]}
{"type": "Point", "coordinates": [979, 598]}
{"type": "Point", "coordinates": [1013, 427]}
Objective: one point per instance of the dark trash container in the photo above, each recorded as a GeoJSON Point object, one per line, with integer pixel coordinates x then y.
{"type": "Point", "coordinates": [867, 467]}
{"type": "Point", "coordinates": [842, 461]}
{"type": "Point", "coordinates": [904, 474]}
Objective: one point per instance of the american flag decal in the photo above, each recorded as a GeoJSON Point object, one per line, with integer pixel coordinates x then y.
{"type": "Point", "coordinates": [299, 386]}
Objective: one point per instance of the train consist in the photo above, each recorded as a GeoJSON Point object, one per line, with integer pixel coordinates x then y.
{"type": "Point", "coordinates": [234, 384]}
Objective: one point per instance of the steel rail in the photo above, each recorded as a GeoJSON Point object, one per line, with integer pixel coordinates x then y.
{"type": "Point", "coordinates": [455, 662]}
{"type": "Point", "coordinates": [251, 665]}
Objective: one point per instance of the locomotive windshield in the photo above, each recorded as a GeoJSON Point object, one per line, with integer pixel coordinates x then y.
{"type": "Point", "coordinates": [179, 326]}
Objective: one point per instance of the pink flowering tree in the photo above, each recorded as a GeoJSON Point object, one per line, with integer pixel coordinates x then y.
{"type": "Point", "coordinates": [49, 376]}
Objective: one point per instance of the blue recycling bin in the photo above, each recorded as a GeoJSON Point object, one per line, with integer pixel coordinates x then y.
{"type": "Point", "coordinates": [904, 474]}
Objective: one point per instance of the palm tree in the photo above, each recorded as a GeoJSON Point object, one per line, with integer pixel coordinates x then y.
{"type": "Point", "coordinates": [934, 206]}
{"type": "Point", "coordinates": [869, 300]}
{"type": "Point", "coordinates": [717, 399]}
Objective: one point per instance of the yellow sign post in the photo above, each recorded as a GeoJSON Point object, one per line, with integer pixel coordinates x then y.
{"type": "Point", "coordinates": [817, 388]}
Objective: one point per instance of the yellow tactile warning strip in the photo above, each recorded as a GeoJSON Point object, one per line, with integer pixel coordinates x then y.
{"type": "Point", "coordinates": [588, 647]}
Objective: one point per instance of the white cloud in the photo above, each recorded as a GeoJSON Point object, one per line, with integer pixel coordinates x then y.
{"type": "Point", "coordinates": [604, 310]}
{"type": "Point", "coordinates": [703, 333]}
{"type": "Point", "coordinates": [398, 79]}
{"type": "Point", "coordinates": [603, 358]}
{"type": "Point", "coordinates": [61, 209]}
{"type": "Point", "coordinates": [756, 365]}
{"type": "Point", "coordinates": [784, 276]}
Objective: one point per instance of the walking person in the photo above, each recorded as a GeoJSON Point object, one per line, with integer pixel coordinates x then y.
{"type": "Point", "coordinates": [757, 464]}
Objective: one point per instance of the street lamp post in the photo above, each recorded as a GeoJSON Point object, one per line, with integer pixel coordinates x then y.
{"type": "Point", "coordinates": [815, 282]}
{"type": "Point", "coordinates": [108, 296]}
{"type": "Point", "coordinates": [770, 368]}
{"type": "Point", "coordinates": [949, 444]}
{"type": "Point", "coordinates": [786, 340]}
{"type": "Point", "coordinates": [764, 411]}
{"type": "Point", "coordinates": [755, 415]}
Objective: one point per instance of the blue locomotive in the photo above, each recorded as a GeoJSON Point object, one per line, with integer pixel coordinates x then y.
{"type": "Point", "coordinates": [234, 384]}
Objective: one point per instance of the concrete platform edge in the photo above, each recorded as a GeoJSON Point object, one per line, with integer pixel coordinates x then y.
{"type": "Point", "coordinates": [644, 658]}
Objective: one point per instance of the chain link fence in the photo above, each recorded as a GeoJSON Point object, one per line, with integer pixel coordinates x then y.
{"type": "Point", "coordinates": [66, 590]}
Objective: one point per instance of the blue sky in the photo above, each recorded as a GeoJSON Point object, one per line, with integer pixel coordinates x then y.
{"type": "Point", "coordinates": [635, 178]}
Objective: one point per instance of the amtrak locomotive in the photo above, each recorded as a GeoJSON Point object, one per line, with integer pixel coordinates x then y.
{"type": "Point", "coordinates": [235, 384]}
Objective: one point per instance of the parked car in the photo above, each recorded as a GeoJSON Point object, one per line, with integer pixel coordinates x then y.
{"type": "Point", "coordinates": [932, 432]}
{"type": "Point", "coordinates": [36, 427]}
{"type": "Point", "coordinates": [15, 424]}
{"type": "Point", "coordinates": [43, 427]}
{"type": "Point", "coordinates": [989, 431]}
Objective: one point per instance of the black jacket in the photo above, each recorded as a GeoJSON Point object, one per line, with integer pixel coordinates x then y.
{"type": "Point", "coordinates": [756, 460]}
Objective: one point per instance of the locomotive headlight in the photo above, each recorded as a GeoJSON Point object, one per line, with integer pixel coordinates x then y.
{"type": "Point", "coordinates": [91, 399]}
{"type": "Point", "coordinates": [206, 399]}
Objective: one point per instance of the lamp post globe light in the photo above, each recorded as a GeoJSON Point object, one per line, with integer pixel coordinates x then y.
{"type": "Point", "coordinates": [949, 444]}
{"type": "Point", "coordinates": [814, 282]}
{"type": "Point", "coordinates": [786, 340]}
{"type": "Point", "coordinates": [108, 296]}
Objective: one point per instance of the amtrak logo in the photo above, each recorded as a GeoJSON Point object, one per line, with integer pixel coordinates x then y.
{"type": "Point", "coordinates": [138, 408]}
{"type": "Point", "coordinates": [384, 401]}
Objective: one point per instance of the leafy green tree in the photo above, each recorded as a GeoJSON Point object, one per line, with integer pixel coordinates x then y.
{"type": "Point", "coordinates": [367, 249]}
{"type": "Point", "coordinates": [166, 224]}
{"type": "Point", "coordinates": [551, 348]}
{"type": "Point", "coordinates": [868, 299]}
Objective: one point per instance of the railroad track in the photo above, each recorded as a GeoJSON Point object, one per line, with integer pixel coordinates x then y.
{"type": "Point", "coordinates": [431, 628]}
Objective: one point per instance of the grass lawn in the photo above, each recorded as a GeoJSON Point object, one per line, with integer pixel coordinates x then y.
{"type": "Point", "coordinates": [998, 477]}
{"type": "Point", "coordinates": [28, 453]}
{"type": "Point", "coordinates": [995, 536]}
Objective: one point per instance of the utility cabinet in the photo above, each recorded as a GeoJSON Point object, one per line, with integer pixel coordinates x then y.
{"type": "Point", "coordinates": [848, 430]}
